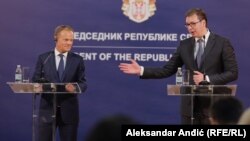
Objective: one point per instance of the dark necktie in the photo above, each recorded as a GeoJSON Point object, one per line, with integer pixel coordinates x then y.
{"type": "Point", "coordinates": [200, 52]}
{"type": "Point", "coordinates": [61, 66]}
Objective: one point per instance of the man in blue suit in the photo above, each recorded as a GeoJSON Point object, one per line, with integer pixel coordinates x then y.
{"type": "Point", "coordinates": [217, 65]}
{"type": "Point", "coordinates": [60, 66]}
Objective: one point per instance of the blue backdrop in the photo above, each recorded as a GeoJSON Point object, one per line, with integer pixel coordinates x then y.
{"type": "Point", "coordinates": [106, 37]}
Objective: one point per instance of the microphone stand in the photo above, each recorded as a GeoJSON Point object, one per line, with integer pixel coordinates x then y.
{"type": "Point", "coordinates": [42, 78]}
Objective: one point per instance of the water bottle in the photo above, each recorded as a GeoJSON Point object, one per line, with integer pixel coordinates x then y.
{"type": "Point", "coordinates": [179, 76]}
{"type": "Point", "coordinates": [18, 74]}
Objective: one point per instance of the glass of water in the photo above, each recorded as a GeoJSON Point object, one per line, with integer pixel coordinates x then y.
{"type": "Point", "coordinates": [26, 74]}
{"type": "Point", "coordinates": [186, 77]}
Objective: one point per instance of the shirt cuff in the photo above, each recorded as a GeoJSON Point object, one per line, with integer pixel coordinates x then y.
{"type": "Point", "coordinates": [207, 78]}
{"type": "Point", "coordinates": [142, 70]}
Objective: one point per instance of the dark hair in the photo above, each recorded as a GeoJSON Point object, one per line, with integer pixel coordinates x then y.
{"type": "Point", "coordinates": [227, 110]}
{"type": "Point", "coordinates": [60, 28]}
{"type": "Point", "coordinates": [199, 12]}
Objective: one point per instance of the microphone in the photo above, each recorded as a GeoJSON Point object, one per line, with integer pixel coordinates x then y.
{"type": "Point", "coordinates": [204, 81]}
{"type": "Point", "coordinates": [42, 78]}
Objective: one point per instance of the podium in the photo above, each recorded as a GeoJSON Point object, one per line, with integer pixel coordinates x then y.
{"type": "Point", "coordinates": [211, 91]}
{"type": "Point", "coordinates": [38, 89]}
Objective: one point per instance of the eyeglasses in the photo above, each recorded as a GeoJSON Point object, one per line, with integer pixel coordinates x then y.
{"type": "Point", "coordinates": [192, 24]}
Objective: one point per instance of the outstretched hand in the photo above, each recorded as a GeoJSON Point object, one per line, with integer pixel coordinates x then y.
{"type": "Point", "coordinates": [132, 68]}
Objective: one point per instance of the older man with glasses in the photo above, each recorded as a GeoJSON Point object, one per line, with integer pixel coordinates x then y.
{"type": "Point", "coordinates": [209, 57]}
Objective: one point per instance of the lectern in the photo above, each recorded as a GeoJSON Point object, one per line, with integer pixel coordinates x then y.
{"type": "Point", "coordinates": [211, 91]}
{"type": "Point", "coordinates": [37, 89]}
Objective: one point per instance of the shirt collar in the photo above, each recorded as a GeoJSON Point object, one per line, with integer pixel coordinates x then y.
{"type": "Point", "coordinates": [206, 36]}
{"type": "Point", "coordinates": [57, 53]}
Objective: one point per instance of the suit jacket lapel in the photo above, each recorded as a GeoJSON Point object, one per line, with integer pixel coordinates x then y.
{"type": "Point", "coordinates": [52, 65]}
{"type": "Point", "coordinates": [193, 49]}
{"type": "Point", "coordinates": [209, 46]}
{"type": "Point", "coordinates": [192, 53]}
{"type": "Point", "coordinates": [68, 64]}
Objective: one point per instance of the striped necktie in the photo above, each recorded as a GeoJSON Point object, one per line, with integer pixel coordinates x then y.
{"type": "Point", "coordinates": [61, 66]}
{"type": "Point", "coordinates": [200, 52]}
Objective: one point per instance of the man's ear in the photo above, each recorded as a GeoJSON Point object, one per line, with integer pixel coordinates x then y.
{"type": "Point", "coordinates": [55, 38]}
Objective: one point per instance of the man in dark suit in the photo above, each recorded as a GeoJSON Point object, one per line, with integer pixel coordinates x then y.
{"type": "Point", "coordinates": [60, 66]}
{"type": "Point", "coordinates": [216, 64]}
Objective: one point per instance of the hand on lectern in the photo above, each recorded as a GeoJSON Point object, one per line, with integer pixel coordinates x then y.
{"type": "Point", "coordinates": [70, 88]}
{"type": "Point", "coordinates": [38, 88]}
